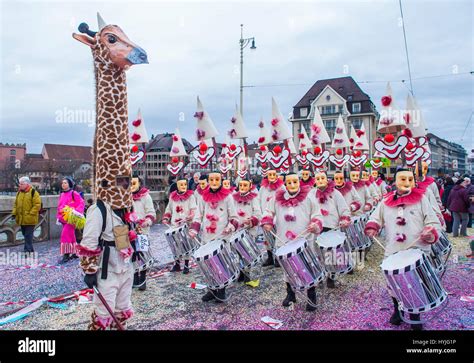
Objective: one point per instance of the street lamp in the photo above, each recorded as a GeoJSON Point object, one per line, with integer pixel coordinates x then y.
{"type": "Point", "coordinates": [243, 43]}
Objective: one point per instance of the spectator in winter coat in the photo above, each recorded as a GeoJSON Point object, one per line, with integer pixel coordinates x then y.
{"type": "Point", "coordinates": [458, 204]}
{"type": "Point", "coordinates": [448, 186]}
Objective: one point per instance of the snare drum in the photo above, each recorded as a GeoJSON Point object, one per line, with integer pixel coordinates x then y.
{"type": "Point", "coordinates": [180, 243]}
{"type": "Point", "coordinates": [245, 246]}
{"type": "Point", "coordinates": [412, 279]}
{"type": "Point", "coordinates": [355, 235]}
{"type": "Point", "coordinates": [216, 264]}
{"type": "Point", "coordinates": [270, 238]}
{"type": "Point", "coordinates": [301, 265]}
{"type": "Point", "coordinates": [142, 260]}
{"type": "Point", "coordinates": [336, 253]}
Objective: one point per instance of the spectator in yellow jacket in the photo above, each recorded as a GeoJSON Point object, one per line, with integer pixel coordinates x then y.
{"type": "Point", "coordinates": [26, 211]}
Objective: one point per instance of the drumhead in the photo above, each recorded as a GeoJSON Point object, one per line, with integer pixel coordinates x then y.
{"type": "Point", "coordinates": [291, 247]}
{"type": "Point", "coordinates": [402, 259]}
{"type": "Point", "coordinates": [331, 239]}
{"type": "Point", "coordinates": [236, 236]}
{"type": "Point", "coordinates": [209, 249]}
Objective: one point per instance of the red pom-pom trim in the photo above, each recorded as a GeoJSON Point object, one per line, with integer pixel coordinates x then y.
{"type": "Point", "coordinates": [134, 148]}
{"type": "Point", "coordinates": [386, 100]}
{"type": "Point", "coordinates": [137, 123]}
{"type": "Point", "coordinates": [317, 150]}
{"type": "Point", "coordinates": [136, 137]}
{"type": "Point", "coordinates": [233, 147]}
{"type": "Point", "coordinates": [389, 138]}
{"type": "Point", "coordinates": [339, 151]}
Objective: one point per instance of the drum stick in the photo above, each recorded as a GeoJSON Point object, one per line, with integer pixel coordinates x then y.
{"type": "Point", "coordinates": [102, 299]}
{"type": "Point", "coordinates": [413, 243]}
{"type": "Point", "coordinates": [380, 243]}
{"type": "Point", "coordinates": [278, 238]}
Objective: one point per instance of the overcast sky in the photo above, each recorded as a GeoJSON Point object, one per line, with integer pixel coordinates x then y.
{"type": "Point", "coordinates": [193, 49]}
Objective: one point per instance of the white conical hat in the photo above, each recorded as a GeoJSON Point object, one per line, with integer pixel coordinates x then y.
{"type": "Point", "coordinates": [340, 135]}
{"type": "Point", "coordinates": [138, 134]}
{"type": "Point", "coordinates": [319, 135]}
{"type": "Point", "coordinates": [391, 120]}
{"type": "Point", "coordinates": [208, 142]}
{"type": "Point", "coordinates": [237, 126]}
{"type": "Point", "coordinates": [177, 149]}
{"type": "Point", "coordinates": [265, 137]}
{"type": "Point", "coordinates": [280, 129]}
{"type": "Point", "coordinates": [205, 127]}
{"type": "Point", "coordinates": [304, 141]}
{"type": "Point", "coordinates": [352, 136]}
{"type": "Point", "coordinates": [413, 118]}
{"type": "Point", "coordinates": [361, 142]}
{"type": "Point", "coordinates": [291, 147]}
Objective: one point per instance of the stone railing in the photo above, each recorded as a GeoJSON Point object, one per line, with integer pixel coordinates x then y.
{"type": "Point", "coordinates": [46, 229]}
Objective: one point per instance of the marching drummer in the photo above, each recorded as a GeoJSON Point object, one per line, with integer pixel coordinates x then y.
{"type": "Point", "coordinates": [335, 212]}
{"type": "Point", "coordinates": [307, 178]}
{"type": "Point", "coordinates": [294, 213]}
{"type": "Point", "coordinates": [379, 181]}
{"type": "Point", "coordinates": [408, 220]}
{"type": "Point", "coordinates": [374, 193]}
{"type": "Point", "coordinates": [203, 184]}
{"type": "Point", "coordinates": [249, 214]}
{"type": "Point", "coordinates": [270, 185]}
{"type": "Point", "coordinates": [180, 210]}
{"type": "Point", "coordinates": [367, 201]}
{"type": "Point", "coordinates": [346, 188]}
{"type": "Point", "coordinates": [215, 217]}
{"type": "Point", "coordinates": [143, 207]}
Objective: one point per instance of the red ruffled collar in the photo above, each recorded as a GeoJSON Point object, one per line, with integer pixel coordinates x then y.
{"type": "Point", "coordinates": [426, 183]}
{"type": "Point", "coordinates": [215, 197]}
{"type": "Point", "coordinates": [140, 194]}
{"type": "Point", "coordinates": [413, 197]}
{"type": "Point", "coordinates": [346, 188]}
{"type": "Point", "coordinates": [239, 198]}
{"type": "Point", "coordinates": [272, 186]}
{"type": "Point", "coordinates": [307, 183]}
{"type": "Point", "coordinates": [323, 195]}
{"type": "Point", "coordinates": [177, 197]}
{"type": "Point", "coordinates": [284, 199]}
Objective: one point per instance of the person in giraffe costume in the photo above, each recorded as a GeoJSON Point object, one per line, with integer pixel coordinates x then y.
{"type": "Point", "coordinates": [105, 251]}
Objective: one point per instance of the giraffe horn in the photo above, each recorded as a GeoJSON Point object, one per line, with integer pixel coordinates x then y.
{"type": "Point", "coordinates": [101, 22]}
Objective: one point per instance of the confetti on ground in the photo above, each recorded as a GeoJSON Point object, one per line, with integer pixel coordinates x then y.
{"type": "Point", "coordinates": [467, 298]}
{"type": "Point", "coordinates": [359, 301]}
{"type": "Point", "coordinates": [273, 323]}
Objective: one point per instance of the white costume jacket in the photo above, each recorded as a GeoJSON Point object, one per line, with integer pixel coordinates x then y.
{"type": "Point", "coordinates": [333, 206]}
{"type": "Point", "coordinates": [248, 206]}
{"type": "Point", "coordinates": [143, 207]}
{"type": "Point", "coordinates": [181, 208]}
{"type": "Point", "coordinates": [351, 197]}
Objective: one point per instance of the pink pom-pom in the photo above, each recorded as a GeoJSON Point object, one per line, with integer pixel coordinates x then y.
{"type": "Point", "coordinates": [275, 122]}
{"type": "Point", "coordinates": [290, 218]}
{"type": "Point", "coordinates": [290, 235]}
{"type": "Point", "coordinates": [136, 137]}
{"type": "Point", "coordinates": [137, 123]}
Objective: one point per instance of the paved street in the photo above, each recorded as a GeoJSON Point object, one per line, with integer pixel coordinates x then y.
{"type": "Point", "coordinates": [359, 302]}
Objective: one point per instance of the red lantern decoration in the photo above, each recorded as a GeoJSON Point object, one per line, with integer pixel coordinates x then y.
{"type": "Point", "coordinates": [277, 150]}
{"type": "Point", "coordinates": [174, 159]}
{"type": "Point", "coordinates": [134, 148]}
{"type": "Point", "coordinates": [203, 147]}
{"type": "Point", "coordinates": [339, 151]}
{"type": "Point", "coordinates": [317, 150]}
{"type": "Point", "coordinates": [233, 147]}
{"type": "Point", "coordinates": [389, 138]}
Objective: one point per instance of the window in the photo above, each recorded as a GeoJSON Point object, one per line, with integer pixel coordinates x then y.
{"type": "Point", "coordinates": [356, 107]}
{"type": "Point", "coordinates": [357, 123]}
{"type": "Point", "coordinates": [330, 124]}
{"type": "Point", "coordinates": [307, 126]}
{"type": "Point", "coordinates": [12, 152]}
{"type": "Point", "coordinates": [303, 112]}
{"type": "Point", "coordinates": [328, 110]}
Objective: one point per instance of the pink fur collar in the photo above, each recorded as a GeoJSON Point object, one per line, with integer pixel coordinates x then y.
{"type": "Point", "coordinates": [371, 179]}
{"type": "Point", "coordinates": [307, 183]}
{"type": "Point", "coordinates": [426, 183]}
{"type": "Point", "coordinates": [199, 190]}
{"type": "Point", "coordinates": [177, 197]}
{"type": "Point", "coordinates": [209, 197]}
{"type": "Point", "coordinates": [323, 195]}
{"type": "Point", "coordinates": [239, 198]}
{"type": "Point", "coordinates": [346, 188]}
{"type": "Point", "coordinates": [412, 198]}
{"type": "Point", "coordinates": [140, 194]}
{"type": "Point", "coordinates": [293, 200]}
{"type": "Point", "coordinates": [379, 181]}
{"type": "Point", "coordinates": [360, 184]}
{"type": "Point", "coordinates": [367, 183]}
{"type": "Point", "coordinates": [272, 186]}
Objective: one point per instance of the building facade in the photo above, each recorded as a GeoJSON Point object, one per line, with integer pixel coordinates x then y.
{"type": "Point", "coordinates": [11, 158]}
{"type": "Point", "coordinates": [446, 157]}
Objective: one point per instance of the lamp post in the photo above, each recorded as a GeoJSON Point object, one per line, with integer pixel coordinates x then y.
{"type": "Point", "coordinates": [243, 43]}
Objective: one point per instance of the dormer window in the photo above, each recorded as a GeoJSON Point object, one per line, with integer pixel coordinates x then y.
{"type": "Point", "coordinates": [356, 107]}
{"type": "Point", "coordinates": [303, 111]}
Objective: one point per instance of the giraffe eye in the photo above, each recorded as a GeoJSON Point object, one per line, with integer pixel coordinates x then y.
{"type": "Point", "coordinates": [112, 39]}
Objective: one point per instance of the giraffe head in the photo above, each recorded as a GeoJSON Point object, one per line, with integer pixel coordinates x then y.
{"type": "Point", "coordinates": [110, 46]}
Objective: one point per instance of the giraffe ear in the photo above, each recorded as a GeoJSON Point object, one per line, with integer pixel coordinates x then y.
{"type": "Point", "coordinates": [84, 39]}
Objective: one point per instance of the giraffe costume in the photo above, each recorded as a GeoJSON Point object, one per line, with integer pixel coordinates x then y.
{"type": "Point", "coordinates": [106, 266]}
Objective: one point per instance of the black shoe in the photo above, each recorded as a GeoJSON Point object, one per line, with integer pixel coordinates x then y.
{"type": "Point", "coordinates": [73, 256]}
{"type": "Point", "coordinates": [136, 279]}
{"type": "Point", "coordinates": [246, 278]}
{"type": "Point", "coordinates": [312, 298]}
{"type": "Point", "coordinates": [142, 286]}
{"type": "Point", "coordinates": [176, 267]}
{"type": "Point", "coordinates": [290, 296]}
{"type": "Point", "coordinates": [269, 260]}
{"type": "Point", "coordinates": [241, 277]}
{"type": "Point", "coordinates": [185, 270]}
{"type": "Point", "coordinates": [208, 296]}
{"type": "Point", "coordinates": [64, 259]}
{"type": "Point", "coordinates": [351, 272]}
{"type": "Point", "coordinates": [331, 283]}
{"type": "Point", "coordinates": [277, 264]}
{"type": "Point", "coordinates": [415, 317]}
{"type": "Point", "coordinates": [220, 296]}
{"type": "Point", "coordinates": [395, 319]}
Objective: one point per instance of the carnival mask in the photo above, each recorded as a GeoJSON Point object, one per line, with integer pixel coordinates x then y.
{"type": "Point", "coordinates": [404, 181]}
{"type": "Point", "coordinates": [226, 184]}
{"type": "Point", "coordinates": [182, 186]}
{"type": "Point", "coordinates": [339, 179]}
{"type": "Point", "coordinates": [135, 185]}
{"type": "Point", "coordinates": [292, 183]}
{"type": "Point", "coordinates": [321, 180]}
{"type": "Point", "coordinates": [215, 181]}
{"type": "Point", "coordinates": [355, 176]}
{"type": "Point", "coordinates": [244, 186]}
{"type": "Point", "coordinates": [203, 184]}
{"type": "Point", "coordinates": [365, 175]}
{"type": "Point", "coordinates": [272, 176]}
{"type": "Point", "coordinates": [375, 174]}
{"type": "Point", "coordinates": [305, 175]}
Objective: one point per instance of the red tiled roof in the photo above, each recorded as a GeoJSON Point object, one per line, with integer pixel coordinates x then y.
{"type": "Point", "coordinates": [65, 167]}
{"type": "Point", "coordinates": [68, 152]}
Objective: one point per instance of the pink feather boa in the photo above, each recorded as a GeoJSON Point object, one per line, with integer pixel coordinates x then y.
{"type": "Point", "coordinates": [323, 195]}
{"type": "Point", "coordinates": [239, 198]}
{"type": "Point", "coordinates": [425, 183]}
{"type": "Point", "coordinates": [272, 186]}
{"type": "Point", "coordinates": [413, 197]}
{"type": "Point", "coordinates": [177, 197]}
{"type": "Point", "coordinates": [210, 197]}
{"type": "Point", "coordinates": [140, 194]}
{"type": "Point", "coordinates": [293, 201]}
{"type": "Point", "coordinates": [346, 188]}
